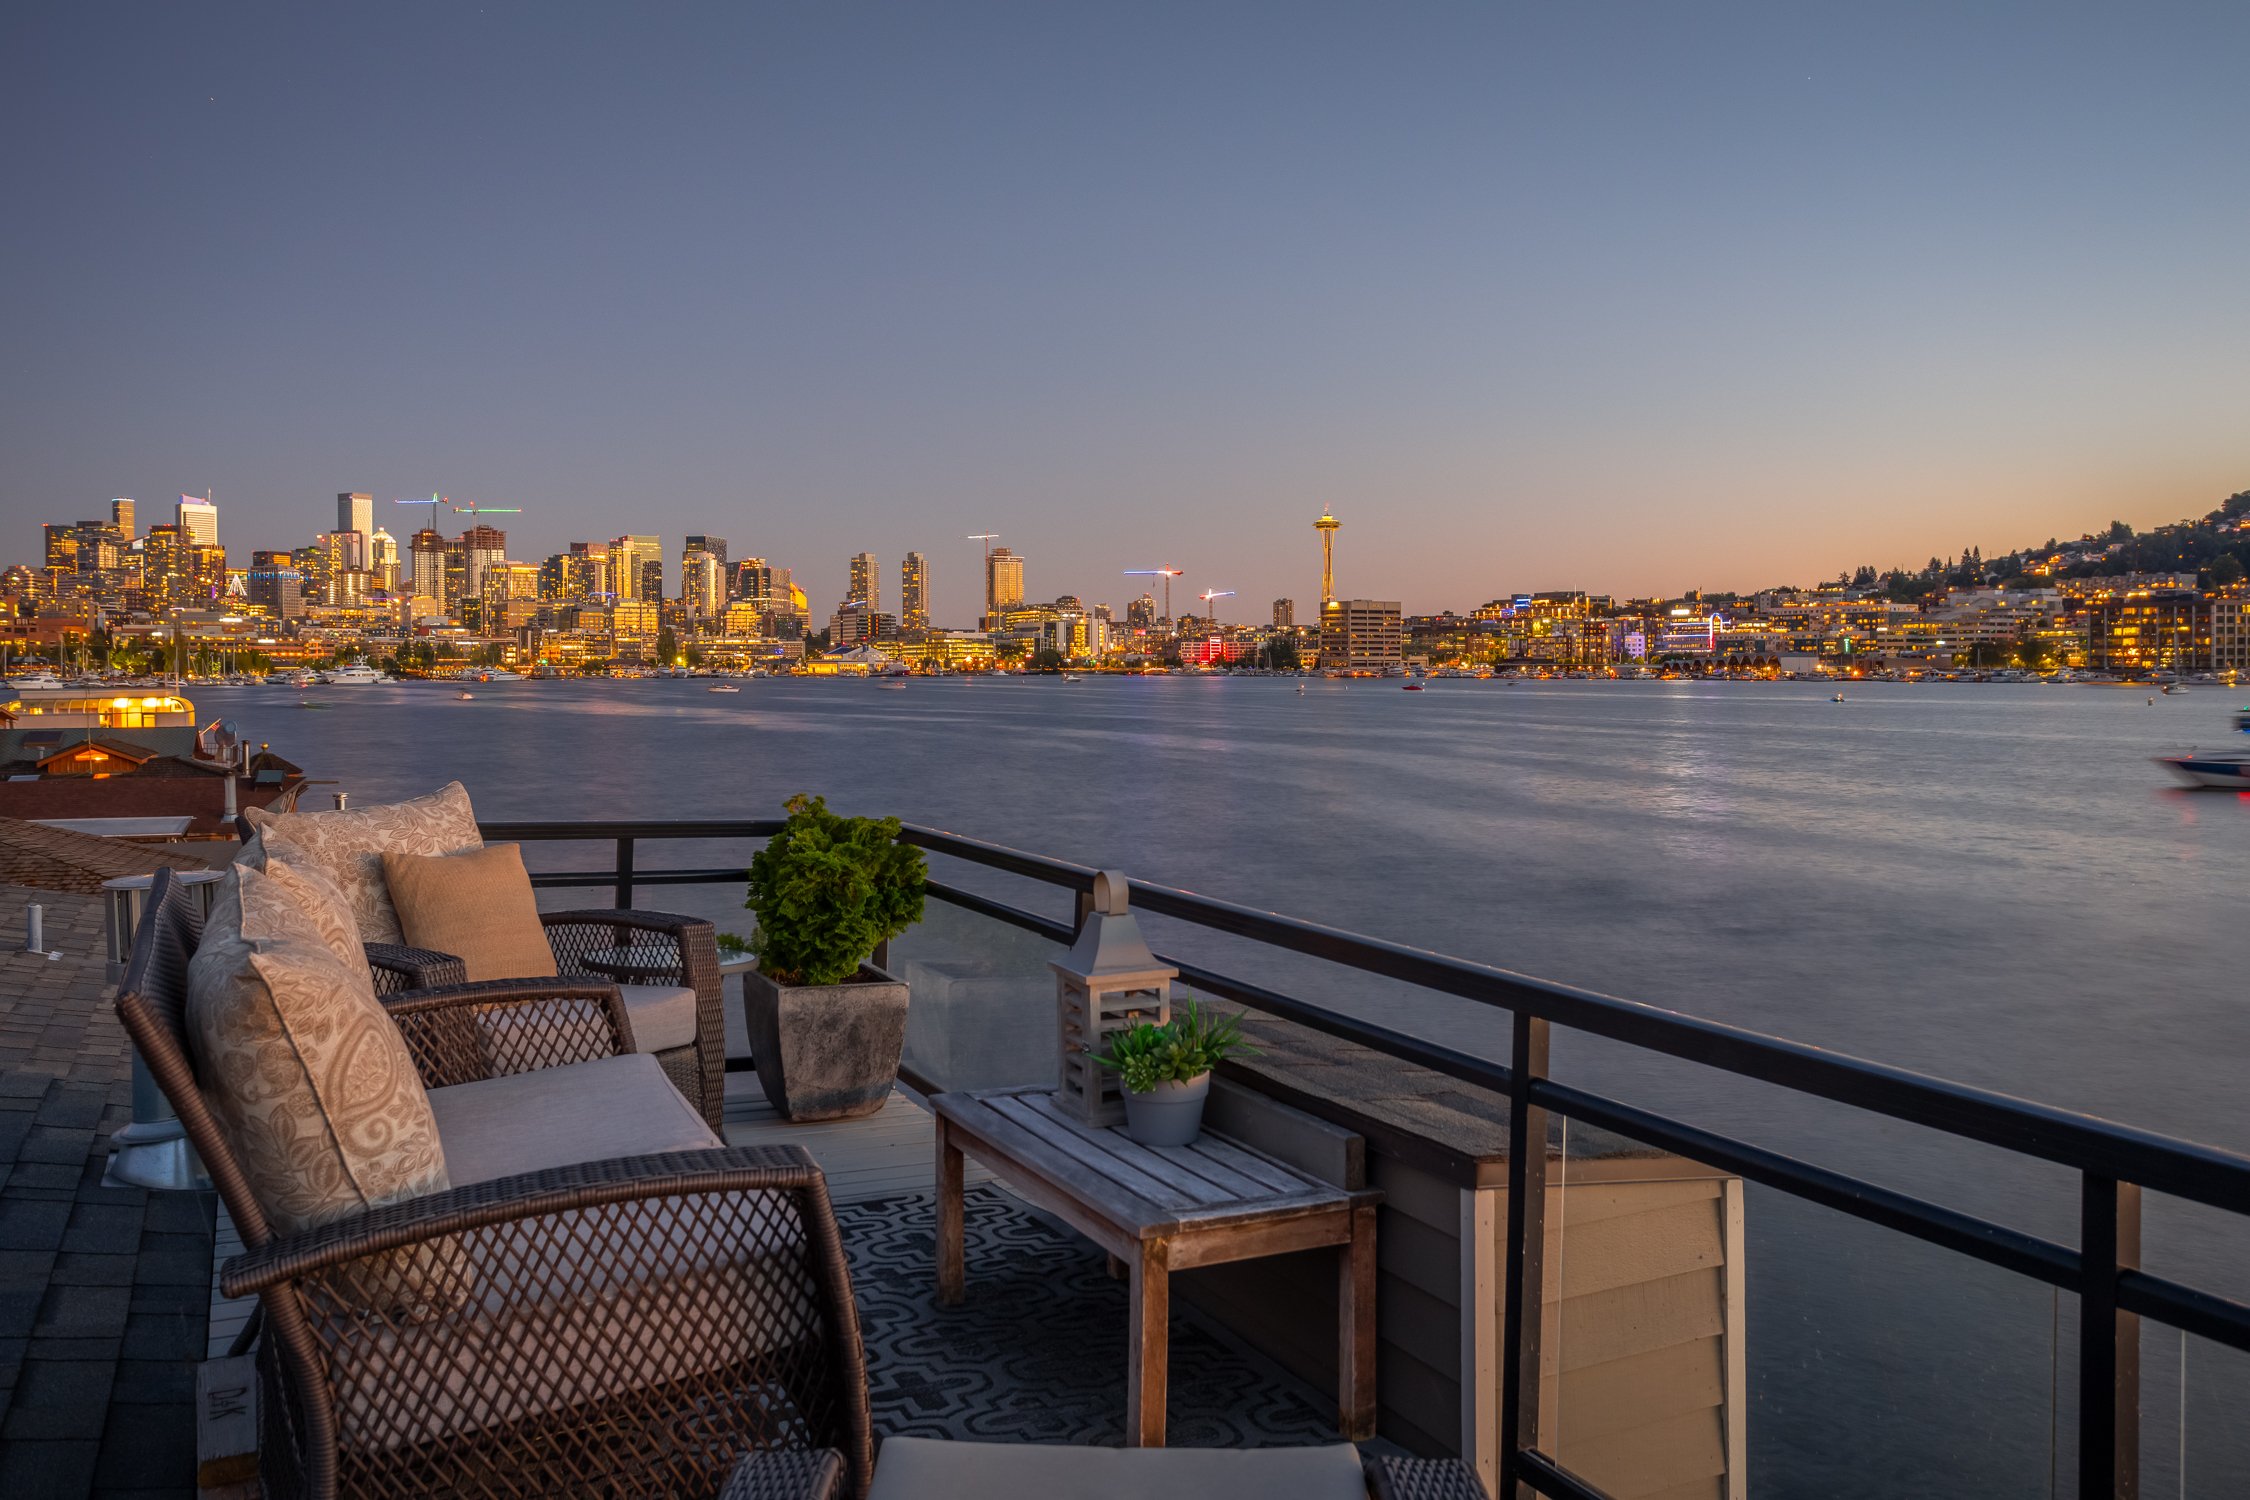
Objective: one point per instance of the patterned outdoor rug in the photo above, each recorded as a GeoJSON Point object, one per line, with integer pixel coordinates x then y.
{"type": "Point", "coordinates": [1036, 1352]}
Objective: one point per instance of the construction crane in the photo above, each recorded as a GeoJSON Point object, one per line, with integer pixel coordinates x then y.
{"type": "Point", "coordinates": [462, 510]}
{"type": "Point", "coordinates": [1167, 574]}
{"type": "Point", "coordinates": [1210, 594]}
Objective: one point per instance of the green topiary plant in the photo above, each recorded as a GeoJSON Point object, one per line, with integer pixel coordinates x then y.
{"type": "Point", "coordinates": [826, 890]}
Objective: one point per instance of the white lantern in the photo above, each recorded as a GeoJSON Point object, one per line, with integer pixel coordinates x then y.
{"type": "Point", "coordinates": [1107, 983]}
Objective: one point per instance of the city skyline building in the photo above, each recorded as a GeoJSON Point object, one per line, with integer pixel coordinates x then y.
{"type": "Point", "coordinates": [914, 593]}
{"type": "Point", "coordinates": [121, 517]}
{"type": "Point", "coordinates": [355, 516]}
{"type": "Point", "coordinates": [198, 521]}
{"type": "Point", "coordinates": [1362, 635]}
{"type": "Point", "coordinates": [1284, 614]}
{"type": "Point", "coordinates": [1003, 580]}
{"type": "Point", "coordinates": [866, 586]}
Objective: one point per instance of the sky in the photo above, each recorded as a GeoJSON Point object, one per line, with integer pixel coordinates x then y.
{"type": "Point", "coordinates": [1634, 298]}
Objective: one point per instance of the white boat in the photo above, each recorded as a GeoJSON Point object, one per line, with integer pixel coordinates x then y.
{"type": "Point", "coordinates": [722, 687]}
{"type": "Point", "coordinates": [465, 697]}
{"type": "Point", "coordinates": [499, 674]}
{"type": "Point", "coordinates": [2229, 769]}
{"type": "Point", "coordinates": [35, 681]}
{"type": "Point", "coordinates": [355, 675]}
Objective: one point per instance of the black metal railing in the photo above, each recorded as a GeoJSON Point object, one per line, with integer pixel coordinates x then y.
{"type": "Point", "coordinates": [2115, 1163]}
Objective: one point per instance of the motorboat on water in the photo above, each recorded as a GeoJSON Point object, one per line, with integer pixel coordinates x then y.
{"type": "Point", "coordinates": [1414, 687]}
{"type": "Point", "coordinates": [466, 697]}
{"type": "Point", "coordinates": [722, 687]}
{"type": "Point", "coordinates": [355, 675]}
{"type": "Point", "coordinates": [2228, 769]}
{"type": "Point", "coordinates": [498, 674]}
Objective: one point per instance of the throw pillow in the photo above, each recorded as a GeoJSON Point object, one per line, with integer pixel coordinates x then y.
{"type": "Point", "coordinates": [308, 1076]}
{"type": "Point", "coordinates": [476, 905]}
{"type": "Point", "coordinates": [348, 846]}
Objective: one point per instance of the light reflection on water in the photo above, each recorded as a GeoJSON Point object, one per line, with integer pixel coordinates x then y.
{"type": "Point", "coordinates": [1989, 883]}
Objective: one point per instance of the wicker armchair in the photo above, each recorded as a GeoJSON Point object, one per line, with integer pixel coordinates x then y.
{"type": "Point", "coordinates": [647, 953]}
{"type": "Point", "coordinates": [623, 1327]}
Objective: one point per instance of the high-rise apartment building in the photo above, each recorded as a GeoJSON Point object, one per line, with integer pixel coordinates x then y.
{"type": "Point", "coordinates": [426, 557]}
{"type": "Point", "coordinates": [1003, 580]}
{"type": "Point", "coordinates": [382, 559]}
{"type": "Point", "coordinates": [867, 583]}
{"type": "Point", "coordinates": [631, 558]}
{"type": "Point", "coordinates": [702, 581]}
{"type": "Point", "coordinates": [482, 548]}
{"type": "Point", "coordinates": [1361, 635]}
{"type": "Point", "coordinates": [121, 517]}
{"type": "Point", "coordinates": [355, 516]}
{"type": "Point", "coordinates": [1141, 613]}
{"type": "Point", "coordinates": [914, 593]}
{"type": "Point", "coordinates": [1284, 614]}
{"type": "Point", "coordinates": [198, 522]}
{"type": "Point", "coordinates": [750, 579]}
{"type": "Point", "coordinates": [276, 586]}
{"type": "Point", "coordinates": [715, 546]}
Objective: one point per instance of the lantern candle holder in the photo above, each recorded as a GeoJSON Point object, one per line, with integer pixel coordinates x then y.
{"type": "Point", "coordinates": [1107, 983]}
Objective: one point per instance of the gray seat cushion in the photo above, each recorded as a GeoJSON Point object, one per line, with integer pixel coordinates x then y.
{"type": "Point", "coordinates": [663, 1016]}
{"type": "Point", "coordinates": [559, 1117]}
{"type": "Point", "coordinates": [927, 1469]}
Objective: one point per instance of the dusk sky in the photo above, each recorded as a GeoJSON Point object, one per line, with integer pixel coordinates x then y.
{"type": "Point", "coordinates": [1632, 298]}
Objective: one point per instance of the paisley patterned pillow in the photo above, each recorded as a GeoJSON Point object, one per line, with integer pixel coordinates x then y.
{"type": "Point", "coordinates": [318, 899]}
{"type": "Point", "coordinates": [348, 846]}
{"type": "Point", "coordinates": [308, 1076]}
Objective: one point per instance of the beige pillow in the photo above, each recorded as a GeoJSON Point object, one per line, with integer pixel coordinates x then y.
{"type": "Point", "coordinates": [348, 847]}
{"type": "Point", "coordinates": [323, 904]}
{"type": "Point", "coordinates": [476, 905]}
{"type": "Point", "coordinates": [308, 1076]}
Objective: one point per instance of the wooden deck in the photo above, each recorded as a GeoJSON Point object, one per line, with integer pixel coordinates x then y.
{"type": "Point", "coordinates": [887, 1154]}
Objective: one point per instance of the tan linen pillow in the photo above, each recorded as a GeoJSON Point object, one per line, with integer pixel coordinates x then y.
{"type": "Point", "coordinates": [348, 847]}
{"type": "Point", "coordinates": [476, 905]}
{"type": "Point", "coordinates": [308, 1076]}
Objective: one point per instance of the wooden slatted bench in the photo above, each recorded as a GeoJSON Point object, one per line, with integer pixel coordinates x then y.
{"type": "Point", "coordinates": [1161, 1209]}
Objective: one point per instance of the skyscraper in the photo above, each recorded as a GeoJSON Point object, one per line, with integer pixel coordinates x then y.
{"type": "Point", "coordinates": [121, 517]}
{"type": "Point", "coordinates": [914, 593]}
{"type": "Point", "coordinates": [1327, 526]}
{"type": "Point", "coordinates": [356, 512]}
{"type": "Point", "coordinates": [630, 557]}
{"type": "Point", "coordinates": [426, 554]}
{"type": "Point", "coordinates": [382, 559]}
{"type": "Point", "coordinates": [1003, 580]}
{"type": "Point", "coordinates": [711, 546]}
{"type": "Point", "coordinates": [750, 579]}
{"type": "Point", "coordinates": [867, 583]}
{"type": "Point", "coordinates": [1284, 614]}
{"type": "Point", "coordinates": [482, 547]}
{"type": "Point", "coordinates": [198, 522]}
{"type": "Point", "coordinates": [702, 581]}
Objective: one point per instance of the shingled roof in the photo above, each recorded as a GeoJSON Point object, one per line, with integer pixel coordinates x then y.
{"type": "Point", "coordinates": [54, 859]}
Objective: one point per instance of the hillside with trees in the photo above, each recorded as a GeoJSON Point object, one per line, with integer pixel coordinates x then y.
{"type": "Point", "coordinates": [2216, 549]}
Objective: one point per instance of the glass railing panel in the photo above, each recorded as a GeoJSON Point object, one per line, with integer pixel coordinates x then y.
{"type": "Point", "coordinates": [1707, 1336]}
{"type": "Point", "coordinates": [2195, 1417]}
{"type": "Point", "coordinates": [981, 1006]}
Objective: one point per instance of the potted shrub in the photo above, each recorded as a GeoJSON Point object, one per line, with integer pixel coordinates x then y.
{"type": "Point", "coordinates": [826, 1026]}
{"type": "Point", "coordinates": [1166, 1071]}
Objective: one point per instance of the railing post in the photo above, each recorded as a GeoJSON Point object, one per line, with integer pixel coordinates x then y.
{"type": "Point", "coordinates": [1523, 1292]}
{"type": "Point", "coordinates": [1085, 909]}
{"type": "Point", "coordinates": [2109, 1341]}
{"type": "Point", "coordinates": [624, 874]}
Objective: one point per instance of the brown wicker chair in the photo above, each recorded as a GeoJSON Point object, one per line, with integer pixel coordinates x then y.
{"type": "Point", "coordinates": [623, 1327]}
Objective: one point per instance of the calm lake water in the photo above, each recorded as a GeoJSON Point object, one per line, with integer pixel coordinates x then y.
{"type": "Point", "coordinates": [1993, 884]}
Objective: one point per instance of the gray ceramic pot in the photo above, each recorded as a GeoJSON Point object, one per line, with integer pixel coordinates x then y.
{"type": "Point", "coordinates": [1169, 1115]}
{"type": "Point", "coordinates": [826, 1051]}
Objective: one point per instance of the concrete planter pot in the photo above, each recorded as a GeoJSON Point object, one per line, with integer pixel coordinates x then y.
{"type": "Point", "coordinates": [1171, 1114]}
{"type": "Point", "coordinates": [826, 1051]}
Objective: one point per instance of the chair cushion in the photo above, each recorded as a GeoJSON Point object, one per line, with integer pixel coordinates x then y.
{"type": "Point", "coordinates": [308, 1076]}
{"type": "Point", "coordinates": [663, 1016]}
{"type": "Point", "coordinates": [475, 904]}
{"type": "Point", "coordinates": [930, 1469]}
{"type": "Point", "coordinates": [559, 1117]}
{"type": "Point", "coordinates": [349, 845]}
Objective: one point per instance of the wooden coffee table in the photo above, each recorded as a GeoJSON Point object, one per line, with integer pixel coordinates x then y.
{"type": "Point", "coordinates": [1161, 1209]}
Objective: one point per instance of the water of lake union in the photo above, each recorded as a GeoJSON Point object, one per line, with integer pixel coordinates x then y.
{"type": "Point", "coordinates": [1988, 883]}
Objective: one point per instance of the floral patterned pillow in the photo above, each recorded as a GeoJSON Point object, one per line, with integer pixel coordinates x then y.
{"type": "Point", "coordinates": [348, 846]}
{"type": "Point", "coordinates": [309, 1078]}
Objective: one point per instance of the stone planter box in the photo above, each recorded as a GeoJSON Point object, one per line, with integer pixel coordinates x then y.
{"type": "Point", "coordinates": [826, 1051]}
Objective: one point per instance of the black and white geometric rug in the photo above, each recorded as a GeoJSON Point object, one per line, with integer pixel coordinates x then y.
{"type": "Point", "coordinates": [1036, 1352]}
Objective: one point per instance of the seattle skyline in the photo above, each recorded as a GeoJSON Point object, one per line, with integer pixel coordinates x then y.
{"type": "Point", "coordinates": [1720, 301]}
